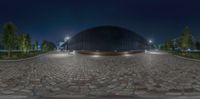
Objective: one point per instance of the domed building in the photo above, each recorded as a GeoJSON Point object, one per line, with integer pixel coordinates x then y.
{"type": "Point", "coordinates": [107, 39]}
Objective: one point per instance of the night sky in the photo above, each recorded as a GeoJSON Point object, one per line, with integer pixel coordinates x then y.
{"type": "Point", "coordinates": [52, 20]}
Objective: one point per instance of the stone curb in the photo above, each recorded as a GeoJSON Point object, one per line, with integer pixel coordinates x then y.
{"type": "Point", "coordinates": [187, 97]}
{"type": "Point", "coordinates": [65, 97]}
{"type": "Point", "coordinates": [24, 58]}
{"type": "Point", "coordinates": [13, 97]}
{"type": "Point", "coordinates": [187, 58]}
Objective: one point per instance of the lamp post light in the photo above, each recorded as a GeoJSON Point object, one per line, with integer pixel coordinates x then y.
{"type": "Point", "coordinates": [150, 43]}
{"type": "Point", "coordinates": [67, 42]}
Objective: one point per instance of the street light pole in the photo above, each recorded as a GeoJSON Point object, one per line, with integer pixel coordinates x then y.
{"type": "Point", "coordinates": [150, 42]}
{"type": "Point", "coordinates": [67, 41]}
{"type": "Point", "coordinates": [67, 46]}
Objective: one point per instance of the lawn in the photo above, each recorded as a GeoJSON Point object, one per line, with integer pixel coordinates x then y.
{"type": "Point", "coordinates": [18, 55]}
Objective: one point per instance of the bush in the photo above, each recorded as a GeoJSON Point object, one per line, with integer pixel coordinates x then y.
{"type": "Point", "coordinates": [19, 55]}
{"type": "Point", "coordinates": [195, 55]}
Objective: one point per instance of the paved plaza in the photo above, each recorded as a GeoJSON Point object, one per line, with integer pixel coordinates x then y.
{"type": "Point", "coordinates": [59, 74]}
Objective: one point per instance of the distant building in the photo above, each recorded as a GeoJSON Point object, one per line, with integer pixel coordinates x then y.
{"type": "Point", "coordinates": [107, 39]}
{"type": "Point", "coordinates": [196, 39]}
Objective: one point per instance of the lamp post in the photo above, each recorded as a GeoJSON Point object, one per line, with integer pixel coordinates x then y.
{"type": "Point", "coordinates": [150, 43]}
{"type": "Point", "coordinates": [67, 41]}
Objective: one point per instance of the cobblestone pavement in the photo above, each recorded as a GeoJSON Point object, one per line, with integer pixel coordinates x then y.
{"type": "Point", "coordinates": [139, 74]}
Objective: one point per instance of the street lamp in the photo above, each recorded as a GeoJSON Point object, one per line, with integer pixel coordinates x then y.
{"type": "Point", "coordinates": [150, 42]}
{"type": "Point", "coordinates": [67, 38]}
{"type": "Point", "coordinates": [67, 41]}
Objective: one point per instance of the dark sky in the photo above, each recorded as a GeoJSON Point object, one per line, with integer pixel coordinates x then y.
{"type": "Point", "coordinates": [159, 20]}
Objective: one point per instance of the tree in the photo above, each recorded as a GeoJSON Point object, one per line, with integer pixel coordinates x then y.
{"type": "Point", "coordinates": [162, 46]}
{"type": "Point", "coordinates": [9, 37]}
{"type": "Point", "coordinates": [36, 45]}
{"type": "Point", "coordinates": [48, 46]}
{"type": "Point", "coordinates": [44, 45]}
{"type": "Point", "coordinates": [168, 45]}
{"type": "Point", "coordinates": [28, 43]}
{"type": "Point", "coordinates": [25, 43]}
{"type": "Point", "coordinates": [198, 45]}
{"type": "Point", "coordinates": [1, 45]}
{"type": "Point", "coordinates": [186, 39]}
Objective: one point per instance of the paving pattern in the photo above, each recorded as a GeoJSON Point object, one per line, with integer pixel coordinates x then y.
{"type": "Point", "coordinates": [138, 74]}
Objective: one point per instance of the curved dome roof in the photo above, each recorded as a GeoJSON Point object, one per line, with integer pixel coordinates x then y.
{"type": "Point", "coordinates": [107, 38]}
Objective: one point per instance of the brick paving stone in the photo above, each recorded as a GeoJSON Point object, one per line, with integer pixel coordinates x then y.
{"type": "Point", "coordinates": [55, 73]}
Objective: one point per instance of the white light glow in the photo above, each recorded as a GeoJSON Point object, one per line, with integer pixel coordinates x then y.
{"type": "Point", "coordinates": [150, 41]}
{"type": "Point", "coordinates": [95, 56]}
{"type": "Point", "coordinates": [127, 55]}
{"type": "Point", "coordinates": [155, 52]}
{"type": "Point", "coordinates": [60, 55]}
{"type": "Point", "coordinates": [73, 52]}
{"type": "Point", "coordinates": [67, 38]}
{"type": "Point", "coordinates": [145, 51]}
{"type": "Point", "coordinates": [189, 49]}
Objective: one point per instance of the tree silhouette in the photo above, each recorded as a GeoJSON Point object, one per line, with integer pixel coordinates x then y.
{"type": "Point", "coordinates": [9, 37]}
{"type": "Point", "coordinates": [186, 38]}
